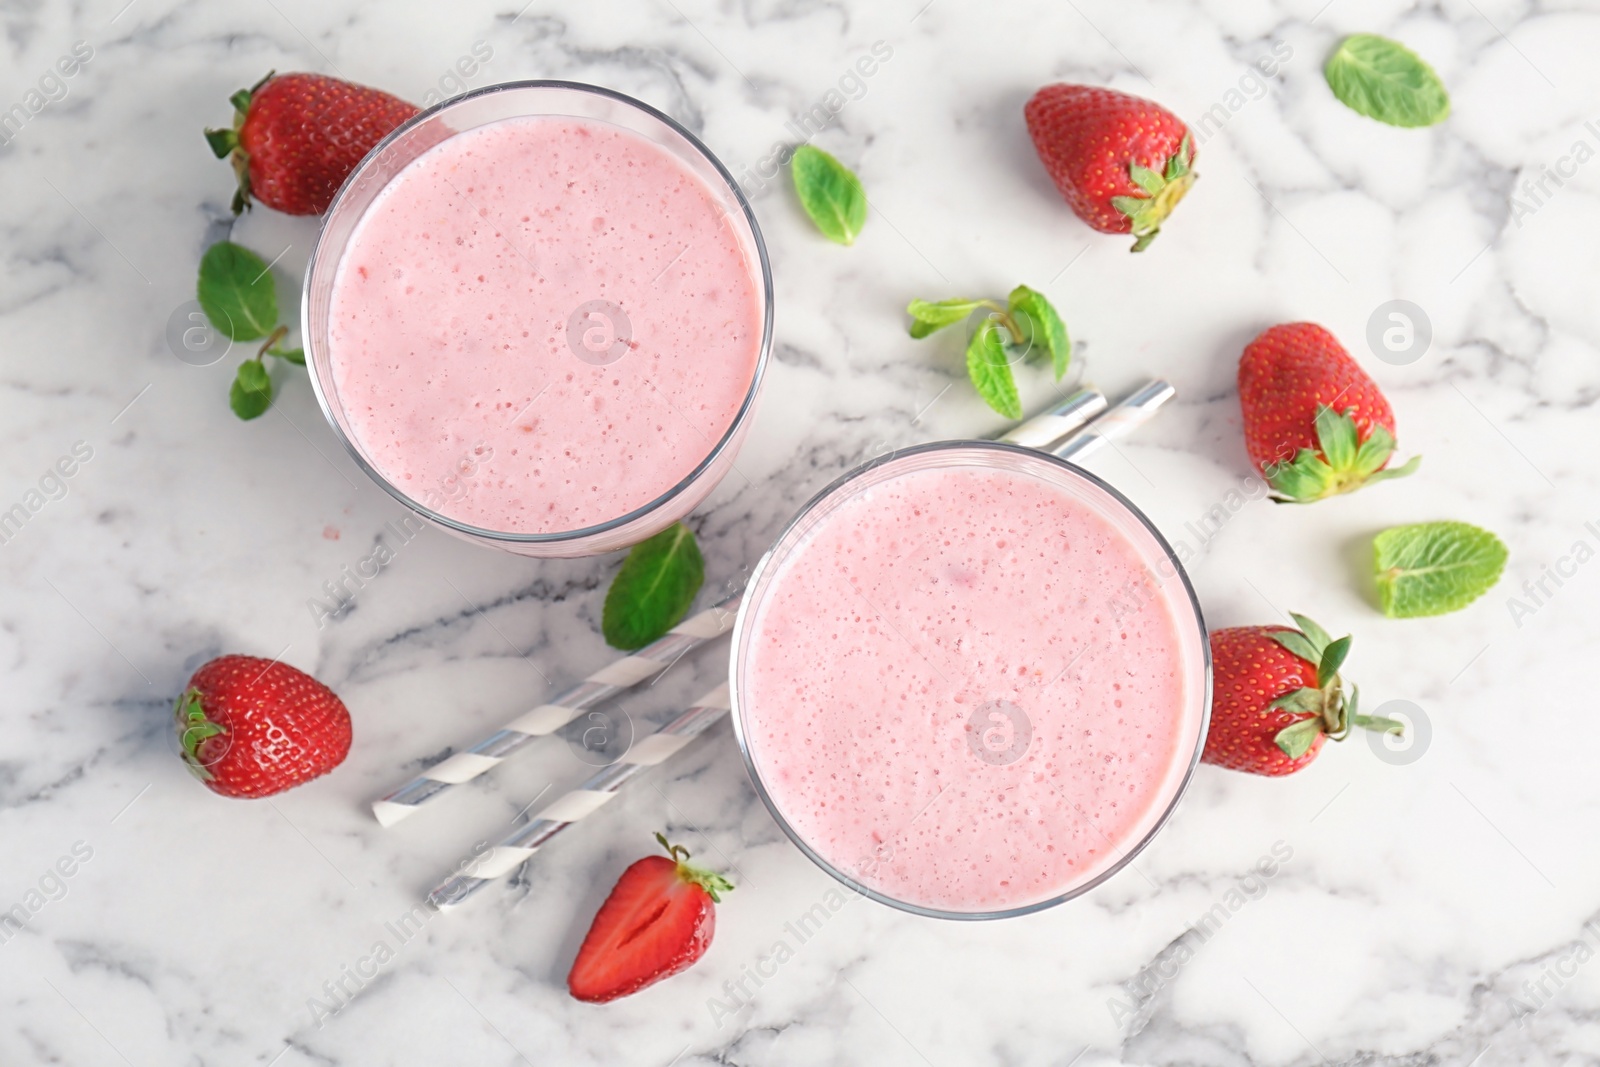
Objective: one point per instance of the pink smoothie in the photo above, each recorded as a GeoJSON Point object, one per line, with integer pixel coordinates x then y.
{"type": "Point", "coordinates": [951, 698]}
{"type": "Point", "coordinates": [461, 351]}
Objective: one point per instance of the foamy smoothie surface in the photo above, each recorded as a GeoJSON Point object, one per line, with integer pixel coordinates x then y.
{"type": "Point", "coordinates": [472, 324]}
{"type": "Point", "coordinates": [945, 701]}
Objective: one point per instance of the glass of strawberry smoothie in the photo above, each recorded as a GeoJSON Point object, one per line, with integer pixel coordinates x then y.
{"type": "Point", "coordinates": [970, 680]}
{"type": "Point", "coordinates": [538, 315]}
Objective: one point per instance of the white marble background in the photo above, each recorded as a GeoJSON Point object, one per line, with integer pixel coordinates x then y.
{"type": "Point", "coordinates": [1430, 913]}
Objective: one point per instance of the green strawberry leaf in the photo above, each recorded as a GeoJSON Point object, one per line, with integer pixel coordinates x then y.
{"type": "Point", "coordinates": [1047, 334]}
{"type": "Point", "coordinates": [222, 142]}
{"type": "Point", "coordinates": [1431, 568]}
{"type": "Point", "coordinates": [1146, 179]}
{"type": "Point", "coordinates": [1408, 467]}
{"type": "Point", "coordinates": [1300, 700]}
{"type": "Point", "coordinates": [1319, 637]}
{"type": "Point", "coordinates": [929, 316]}
{"type": "Point", "coordinates": [1178, 165]}
{"type": "Point", "coordinates": [1297, 643]}
{"type": "Point", "coordinates": [989, 371]}
{"type": "Point", "coordinates": [1333, 658]}
{"type": "Point", "coordinates": [1385, 80]}
{"type": "Point", "coordinates": [653, 590]}
{"type": "Point", "coordinates": [830, 194]}
{"type": "Point", "coordinates": [1130, 206]}
{"type": "Point", "coordinates": [236, 291]}
{"type": "Point", "coordinates": [1297, 738]}
{"type": "Point", "coordinates": [1337, 435]}
{"type": "Point", "coordinates": [251, 393]}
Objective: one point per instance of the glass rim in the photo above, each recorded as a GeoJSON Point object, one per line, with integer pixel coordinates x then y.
{"type": "Point", "coordinates": [729, 436]}
{"type": "Point", "coordinates": [742, 623]}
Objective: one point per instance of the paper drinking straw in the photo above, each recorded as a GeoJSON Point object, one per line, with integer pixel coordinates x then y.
{"type": "Point", "coordinates": [1060, 422]}
{"type": "Point", "coordinates": [1118, 422]}
{"type": "Point", "coordinates": [548, 718]}
{"type": "Point", "coordinates": [519, 846]}
{"type": "Point", "coordinates": [1049, 427]}
{"type": "Point", "coordinates": [1040, 431]}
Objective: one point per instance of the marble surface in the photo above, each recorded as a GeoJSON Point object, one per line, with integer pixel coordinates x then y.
{"type": "Point", "coordinates": [1435, 904]}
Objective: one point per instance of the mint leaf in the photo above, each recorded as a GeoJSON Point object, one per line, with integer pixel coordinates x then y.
{"type": "Point", "coordinates": [1385, 80]}
{"type": "Point", "coordinates": [654, 588]}
{"type": "Point", "coordinates": [1047, 334]}
{"type": "Point", "coordinates": [1430, 568]}
{"type": "Point", "coordinates": [830, 194]}
{"type": "Point", "coordinates": [928, 317]}
{"type": "Point", "coordinates": [297, 356]}
{"type": "Point", "coordinates": [236, 291]}
{"type": "Point", "coordinates": [252, 390]}
{"type": "Point", "coordinates": [989, 371]}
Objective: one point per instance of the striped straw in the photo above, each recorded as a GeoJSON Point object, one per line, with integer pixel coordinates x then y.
{"type": "Point", "coordinates": [1121, 420]}
{"type": "Point", "coordinates": [519, 846]}
{"type": "Point", "coordinates": [548, 718]}
{"type": "Point", "coordinates": [1040, 431]}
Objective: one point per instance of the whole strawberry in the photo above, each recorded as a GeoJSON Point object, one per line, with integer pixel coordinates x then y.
{"type": "Point", "coordinates": [1314, 423]}
{"type": "Point", "coordinates": [250, 727]}
{"type": "Point", "coordinates": [1122, 162]}
{"type": "Point", "coordinates": [296, 137]}
{"type": "Point", "coordinates": [657, 921]}
{"type": "Point", "coordinates": [1276, 696]}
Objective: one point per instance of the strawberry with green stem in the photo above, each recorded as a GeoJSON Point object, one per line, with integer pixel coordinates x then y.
{"type": "Point", "coordinates": [1315, 424]}
{"type": "Point", "coordinates": [657, 921]}
{"type": "Point", "coordinates": [1121, 162]}
{"type": "Point", "coordinates": [251, 727]}
{"type": "Point", "coordinates": [1277, 695]}
{"type": "Point", "coordinates": [296, 137]}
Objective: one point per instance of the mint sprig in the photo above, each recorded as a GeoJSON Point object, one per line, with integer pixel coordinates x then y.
{"type": "Point", "coordinates": [1385, 80]}
{"type": "Point", "coordinates": [1024, 329]}
{"type": "Point", "coordinates": [830, 193]}
{"type": "Point", "coordinates": [653, 590]}
{"type": "Point", "coordinates": [1432, 568]}
{"type": "Point", "coordinates": [238, 295]}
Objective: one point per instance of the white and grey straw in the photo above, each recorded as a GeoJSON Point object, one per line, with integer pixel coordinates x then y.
{"type": "Point", "coordinates": [1040, 431]}
{"type": "Point", "coordinates": [520, 845]}
{"type": "Point", "coordinates": [548, 718]}
{"type": "Point", "coordinates": [1134, 411]}
{"type": "Point", "coordinates": [1049, 427]}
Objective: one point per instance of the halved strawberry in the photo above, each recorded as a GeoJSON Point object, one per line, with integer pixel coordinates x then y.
{"type": "Point", "coordinates": [657, 921]}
